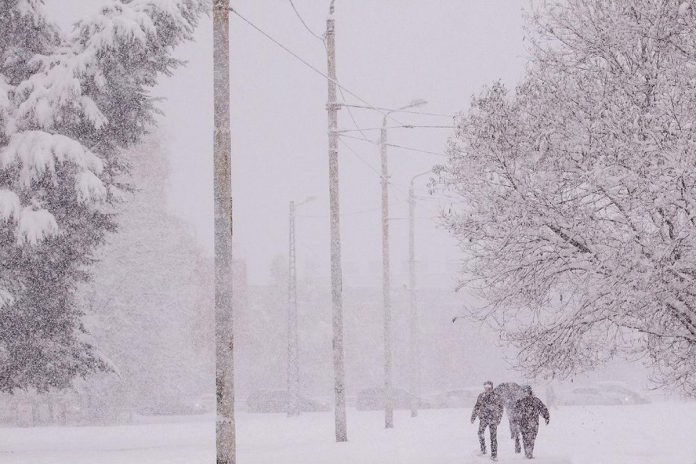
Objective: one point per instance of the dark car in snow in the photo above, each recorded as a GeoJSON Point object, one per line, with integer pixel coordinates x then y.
{"type": "Point", "coordinates": [277, 402]}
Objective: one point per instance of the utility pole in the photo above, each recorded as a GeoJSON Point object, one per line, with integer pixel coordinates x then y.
{"type": "Point", "coordinates": [336, 273]}
{"type": "Point", "coordinates": [224, 339]}
{"type": "Point", "coordinates": [386, 281]}
{"type": "Point", "coordinates": [386, 273]}
{"type": "Point", "coordinates": [414, 346]}
{"type": "Point", "coordinates": [293, 365]}
{"type": "Point", "coordinates": [293, 333]}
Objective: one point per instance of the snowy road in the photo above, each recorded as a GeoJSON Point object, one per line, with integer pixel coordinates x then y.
{"type": "Point", "coordinates": [651, 434]}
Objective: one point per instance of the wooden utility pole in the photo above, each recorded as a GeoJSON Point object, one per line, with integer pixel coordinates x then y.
{"type": "Point", "coordinates": [224, 340]}
{"type": "Point", "coordinates": [334, 214]}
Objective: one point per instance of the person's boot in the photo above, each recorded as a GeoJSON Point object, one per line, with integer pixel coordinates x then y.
{"type": "Point", "coordinates": [483, 447]}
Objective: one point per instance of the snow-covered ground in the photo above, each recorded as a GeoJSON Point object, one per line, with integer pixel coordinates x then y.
{"type": "Point", "coordinates": [659, 433]}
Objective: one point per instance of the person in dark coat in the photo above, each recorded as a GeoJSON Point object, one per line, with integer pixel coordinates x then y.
{"type": "Point", "coordinates": [489, 410]}
{"type": "Point", "coordinates": [527, 411]}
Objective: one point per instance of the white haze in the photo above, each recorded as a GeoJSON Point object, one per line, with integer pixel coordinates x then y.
{"type": "Point", "coordinates": [388, 52]}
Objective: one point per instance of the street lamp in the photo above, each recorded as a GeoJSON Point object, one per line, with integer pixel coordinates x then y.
{"type": "Point", "coordinates": [386, 282]}
{"type": "Point", "coordinates": [293, 340]}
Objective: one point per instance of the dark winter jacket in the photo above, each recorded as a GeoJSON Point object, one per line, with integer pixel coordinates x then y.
{"type": "Point", "coordinates": [488, 408]}
{"type": "Point", "coordinates": [527, 411]}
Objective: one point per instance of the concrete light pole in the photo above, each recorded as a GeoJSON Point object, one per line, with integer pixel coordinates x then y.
{"type": "Point", "coordinates": [414, 346]}
{"type": "Point", "coordinates": [386, 279]}
{"type": "Point", "coordinates": [293, 333]}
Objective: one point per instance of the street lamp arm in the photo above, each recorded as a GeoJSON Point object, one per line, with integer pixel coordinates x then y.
{"type": "Point", "coordinates": [419, 175]}
{"type": "Point", "coordinates": [309, 199]}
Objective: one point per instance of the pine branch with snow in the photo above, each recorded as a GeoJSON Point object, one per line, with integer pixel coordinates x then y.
{"type": "Point", "coordinates": [70, 103]}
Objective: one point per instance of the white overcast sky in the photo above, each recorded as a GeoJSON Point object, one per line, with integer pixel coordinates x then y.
{"type": "Point", "coordinates": [388, 52]}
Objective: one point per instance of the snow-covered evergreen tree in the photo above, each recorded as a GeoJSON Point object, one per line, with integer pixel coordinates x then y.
{"type": "Point", "coordinates": [69, 103]}
{"type": "Point", "coordinates": [578, 189]}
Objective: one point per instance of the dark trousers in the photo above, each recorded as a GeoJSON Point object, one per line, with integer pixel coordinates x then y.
{"type": "Point", "coordinates": [528, 437]}
{"type": "Point", "coordinates": [493, 427]}
{"type": "Point", "coordinates": [515, 434]}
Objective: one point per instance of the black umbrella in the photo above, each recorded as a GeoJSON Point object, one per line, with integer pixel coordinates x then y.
{"type": "Point", "coordinates": [510, 392]}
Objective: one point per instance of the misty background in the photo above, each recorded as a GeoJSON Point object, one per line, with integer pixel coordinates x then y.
{"type": "Point", "coordinates": [156, 308]}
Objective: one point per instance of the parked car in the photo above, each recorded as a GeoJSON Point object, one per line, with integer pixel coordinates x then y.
{"type": "Point", "coordinates": [204, 404]}
{"type": "Point", "coordinates": [277, 402]}
{"type": "Point", "coordinates": [586, 396]}
{"type": "Point", "coordinates": [169, 408]}
{"type": "Point", "coordinates": [602, 393]}
{"type": "Point", "coordinates": [622, 391]}
{"type": "Point", "coordinates": [461, 398]}
{"type": "Point", "coordinates": [374, 398]}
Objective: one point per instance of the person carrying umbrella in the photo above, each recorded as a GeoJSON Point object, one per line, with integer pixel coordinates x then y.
{"type": "Point", "coordinates": [510, 393]}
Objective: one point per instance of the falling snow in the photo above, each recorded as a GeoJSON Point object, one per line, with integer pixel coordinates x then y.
{"type": "Point", "coordinates": [502, 276]}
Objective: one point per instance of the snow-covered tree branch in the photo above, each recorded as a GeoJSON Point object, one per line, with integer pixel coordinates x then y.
{"type": "Point", "coordinates": [578, 191]}
{"type": "Point", "coordinates": [69, 104]}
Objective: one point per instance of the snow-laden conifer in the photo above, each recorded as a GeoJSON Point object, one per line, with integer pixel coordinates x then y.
{"type": "Point", "coordinates": [70, 102]}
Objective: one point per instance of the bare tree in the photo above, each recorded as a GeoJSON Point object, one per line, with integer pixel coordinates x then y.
{"type": "Point", "coordinates": [578, 211]}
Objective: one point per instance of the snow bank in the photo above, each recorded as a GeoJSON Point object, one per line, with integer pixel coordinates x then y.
{"type": "Point", "coordinates": [646, 434]}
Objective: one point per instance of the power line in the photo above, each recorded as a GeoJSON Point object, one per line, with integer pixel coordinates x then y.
{"type": "Point", "coordinates": [393, 145]}
{"type": "Point", "coordinates": [424, 113]}
{"type": "Point", "coordinates": [405, 126]}
{"type": "Point", "coordinates": [352, 117]}
{"type": "Point", "coordinates": [312, 67]}
{"type": "Point", "coordinates": [416, 150]}
{"type": "Point", "coordinates": [399, 187]}
{"type": "Point", "coordinates": [299, 16]}
{"type": "Point", "coordinates": [420, 218]}
{"type": "Point", "coordinates": [350, 213]}
{"type": "Point", "coordinates": [355, 153]}
{"type": "Point", "coordinates": [362, 139]}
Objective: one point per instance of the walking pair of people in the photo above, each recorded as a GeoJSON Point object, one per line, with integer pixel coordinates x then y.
{"type": "Point", "coordinates": [523, 412]}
